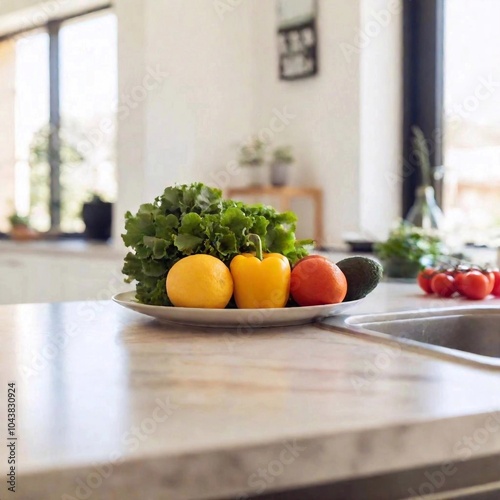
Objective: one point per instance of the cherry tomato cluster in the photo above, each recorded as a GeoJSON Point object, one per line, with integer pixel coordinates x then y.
{"type": "Point", "coordinates": [471, 282]}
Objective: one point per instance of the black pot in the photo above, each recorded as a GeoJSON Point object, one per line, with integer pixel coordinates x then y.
{"type": "Point", "coordinates": [97, 216]}
{"type": "Point", "coordinates": [396, 267]}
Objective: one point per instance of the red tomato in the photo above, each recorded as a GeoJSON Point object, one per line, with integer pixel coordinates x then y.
{"type": "Point", "coordinates": [476, 285]}
{"type": "Point", "coordinates": [425, 278]}
{"type": "Point", "coordinates": [491, 279]}
{"type": "Point", "coordinates": [307, 257]}
{"type": "Point", "coordinates": [459, 282]}
{"type": "Point", "coordinates": [443, 284]}
{"type": "Point", "coordinates": [496, 287]}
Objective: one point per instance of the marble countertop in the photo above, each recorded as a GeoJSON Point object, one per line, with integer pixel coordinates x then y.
{"type": "Point", "coordinates": [115, 405]}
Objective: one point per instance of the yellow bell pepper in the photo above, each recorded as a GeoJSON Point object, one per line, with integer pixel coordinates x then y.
{"type": "Point", "coordinates": [261, 280]}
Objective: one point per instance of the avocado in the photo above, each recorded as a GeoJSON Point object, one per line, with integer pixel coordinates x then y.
{"type": "Point", "coordinates": [362, 274]}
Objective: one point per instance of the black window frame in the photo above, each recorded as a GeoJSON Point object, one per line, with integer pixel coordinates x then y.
{"type": "Point", "coordinates": [423, 88]}
{"type": "Point", "coordinates": [52, 28]}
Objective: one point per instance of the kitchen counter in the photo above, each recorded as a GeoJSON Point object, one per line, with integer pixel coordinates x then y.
{"type": "Point", "coordinates": [114, 404]}
{"type": "Point", "coordinates": [65, 248]}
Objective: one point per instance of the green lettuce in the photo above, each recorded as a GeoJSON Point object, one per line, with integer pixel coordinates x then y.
{"type": "Point", "coordinates": [195, 219]}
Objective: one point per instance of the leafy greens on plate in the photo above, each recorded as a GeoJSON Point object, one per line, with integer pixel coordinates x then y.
{"type": "Point", "coordinates": [195, 219]}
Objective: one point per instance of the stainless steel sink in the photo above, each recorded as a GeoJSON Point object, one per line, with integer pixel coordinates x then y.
{"type": "Point", "coordinates": [468, 334]}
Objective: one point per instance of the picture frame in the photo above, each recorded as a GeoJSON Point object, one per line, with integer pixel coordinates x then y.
{"type": "Point", "coordinates": [297, 39]}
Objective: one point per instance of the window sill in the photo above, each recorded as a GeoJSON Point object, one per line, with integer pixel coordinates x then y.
{"type": "Point", "coordinates": [62, 247]}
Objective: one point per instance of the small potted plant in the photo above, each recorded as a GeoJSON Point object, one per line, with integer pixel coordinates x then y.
{"type": "Point", "coordinates": [280, 166]}
{"type": "Point", "coordinates": [407, 250]}
{"type": "Point", "coordinates": [20, 228]}
{"type": "Point", "coordinates": [252, 156]}
{"type": "Point", "coordinates": [97, 216]}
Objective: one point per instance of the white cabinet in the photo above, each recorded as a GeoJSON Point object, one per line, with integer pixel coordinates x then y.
{"type": "Point", "coordinates": [29, 277]}
{"type": "Point", "coordinates": [15, 280]}
{"type": "Point", "coordinates": [92, 279]}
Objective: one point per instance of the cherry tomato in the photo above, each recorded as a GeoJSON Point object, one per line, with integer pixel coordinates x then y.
{"type": "Point", "coordinates": [496, 287]}
{"type": "Point", "coordinates": [424, 279]}
{"type": "Point", "coordinates": [491, 279]}
{"type": "Point", "coordinates": [443, 284]}
{"type": "Point", "coordinates": [459, 282]}
{"type": "Point", "coordinates": [476, 285]}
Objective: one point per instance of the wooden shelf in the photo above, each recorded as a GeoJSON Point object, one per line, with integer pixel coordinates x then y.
{"type": "Point", "coordinates": [285, 195]}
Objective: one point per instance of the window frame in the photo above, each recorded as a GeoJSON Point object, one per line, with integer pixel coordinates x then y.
{"type": "Point", "coordinates": [423, 89]}
{"type": "Point", "coordinates": [52, 28]}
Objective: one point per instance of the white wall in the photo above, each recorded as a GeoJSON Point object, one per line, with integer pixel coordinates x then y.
{"type": "Point", "coordinates": [325, 130]}
{"type": "Point", "coordinates": [188, 125]}
{"type": "Point", "coordinates": [204, 106]}
{"type": "Point", "coordinates": [346, 125]}
{"type": "Point", "coordinates": [132, 115]}
{"type": "Point", "coordinates": [381, 115]}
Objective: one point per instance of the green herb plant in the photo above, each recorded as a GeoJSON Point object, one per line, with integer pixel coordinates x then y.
{"type": "Point", "coordinates": [410, 243]}
{"type": "Point", "coordinates": [195, 219]}
{"type": "Point", "coordinates": [253, 153]}
{"type": "Point", "coordinates": [283, 154]}
{"type": "Point", "coordinates": [17, 220]}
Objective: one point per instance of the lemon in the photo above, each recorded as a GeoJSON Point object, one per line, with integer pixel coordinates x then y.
{"type": "Point", "coordinates": [200, 281]}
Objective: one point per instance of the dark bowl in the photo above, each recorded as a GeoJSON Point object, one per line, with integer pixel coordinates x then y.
{"type": "Point", "coordinates": [361, 246]}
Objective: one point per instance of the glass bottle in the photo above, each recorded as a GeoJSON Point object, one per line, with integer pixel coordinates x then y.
{"type": "Point", "coordinates": [425, 212]}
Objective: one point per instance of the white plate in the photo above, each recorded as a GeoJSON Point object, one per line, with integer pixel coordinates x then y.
{"type": "Point", "coordinates": [235, 318]}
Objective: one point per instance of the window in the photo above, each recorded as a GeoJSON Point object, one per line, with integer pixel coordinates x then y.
{"type": "Point", "coordinates": [472, 119]}
{"type": "Point", "coordinates": [58, 93]}
{"type": "Point", "coordinates": [31, 196]}
{"type": "Point", "coordinates": [452, 91]}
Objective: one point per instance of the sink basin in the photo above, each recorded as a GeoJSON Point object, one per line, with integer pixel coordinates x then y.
{"type": "Point", "coordinates": [468, 334]}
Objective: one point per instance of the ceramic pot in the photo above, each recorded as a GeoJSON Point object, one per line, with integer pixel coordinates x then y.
{"type": "Point", "coordinates": [23, 233]}
{"type": "Point", "coordinates": [97, 217]}
{"type": "Point", "coordinates": [396, 267]}
{"type": "Point", "coordinates": [279, 173]}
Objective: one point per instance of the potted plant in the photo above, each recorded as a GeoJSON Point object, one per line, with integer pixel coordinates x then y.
{"type": "Point", "coordinates": [282, 159]}
{"type": "Point", "coordinates": [252, 156]}
{"type": "Point", "coordinates": [20, 228]}
{"type": "Point", "coordinates": [97, 216]}
{"type": "Point", "coordinates": [407, 250]}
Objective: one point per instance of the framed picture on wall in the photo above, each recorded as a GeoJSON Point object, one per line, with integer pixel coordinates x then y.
{"type": "Point", "coordinates": [297, 39]}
